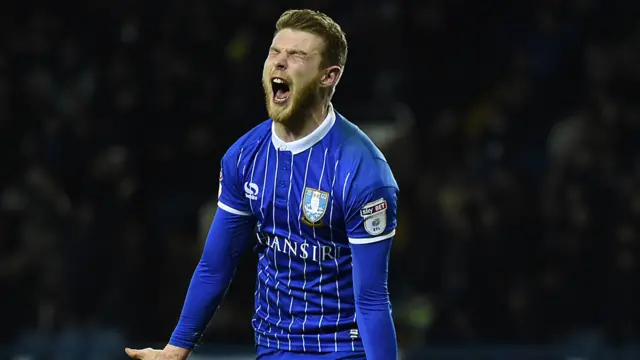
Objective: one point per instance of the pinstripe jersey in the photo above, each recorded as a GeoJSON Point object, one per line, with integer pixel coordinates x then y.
{"type": "Point", "coordinates": [311, 198]}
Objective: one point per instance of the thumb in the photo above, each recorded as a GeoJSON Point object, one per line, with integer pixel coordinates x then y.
{"type": "Point", "coordinates": [134, 353]}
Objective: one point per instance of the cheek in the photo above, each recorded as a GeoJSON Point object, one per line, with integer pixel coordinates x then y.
{"type": "Point", "coordinates": [266, 68]}
{"type": "Point", "coordinates": [304, 77]}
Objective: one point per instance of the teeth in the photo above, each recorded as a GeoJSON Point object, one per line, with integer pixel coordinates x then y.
{"type": "Point", "coordinates": [278, 81]}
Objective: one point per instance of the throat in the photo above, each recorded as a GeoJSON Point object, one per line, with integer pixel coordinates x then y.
{"type": "Point", "coordinates": [292, 130]}
{"type": "Point", "coordinates": [300, 125]}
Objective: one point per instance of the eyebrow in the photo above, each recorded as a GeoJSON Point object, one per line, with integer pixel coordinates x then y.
{"type": "Point", "coordinates": [292, 52]}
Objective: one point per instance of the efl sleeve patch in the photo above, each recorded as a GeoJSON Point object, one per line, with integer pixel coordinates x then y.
{"type": "Point", "coordinates": [231, 198]}
{"type": "Point", "coordinates": [375, 216]}
{"type": "Point", "coordinates": [220, 185]}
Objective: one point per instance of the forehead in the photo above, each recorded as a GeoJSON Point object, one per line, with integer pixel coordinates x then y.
{"type": "Point", "coordinates": [290, 39]}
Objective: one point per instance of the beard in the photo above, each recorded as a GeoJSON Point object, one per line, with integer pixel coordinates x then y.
{"type": "Point", "coordinates": [302, 98]}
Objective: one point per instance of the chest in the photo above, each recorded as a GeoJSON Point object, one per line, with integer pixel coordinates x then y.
{"type": "Point", "coordinates": [294, 193]}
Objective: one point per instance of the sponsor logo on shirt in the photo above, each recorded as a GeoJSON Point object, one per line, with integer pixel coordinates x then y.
{"type": "Point", "coordinates": [251, 191]}
{"type": "Point", "coordinates": [375, 216]}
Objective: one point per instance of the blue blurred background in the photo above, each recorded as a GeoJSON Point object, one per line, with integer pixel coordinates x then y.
{"type": "Point", "coordinates": [513, 128]}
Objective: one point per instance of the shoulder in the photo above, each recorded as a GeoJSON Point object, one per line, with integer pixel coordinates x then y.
{"type": "Point", "coordinates": [361, 163]}
{"type": "Point", "coordinates": [248, 143]}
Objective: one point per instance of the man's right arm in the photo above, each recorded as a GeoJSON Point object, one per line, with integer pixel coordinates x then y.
{"type": "Point", "coordinates": [229, 236]}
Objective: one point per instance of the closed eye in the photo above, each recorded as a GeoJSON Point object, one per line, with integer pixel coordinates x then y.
{"type": "Point", "coordinates": [295, 53]}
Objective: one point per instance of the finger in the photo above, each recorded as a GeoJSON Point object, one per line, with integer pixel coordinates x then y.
{"type": "Point", "coordinates": [134, 353]}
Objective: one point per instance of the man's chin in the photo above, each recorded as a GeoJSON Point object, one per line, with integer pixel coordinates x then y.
{"type": "Point", "coordinates": [280, 112]}
{"type": "Point", "coordinates": [279, 116]}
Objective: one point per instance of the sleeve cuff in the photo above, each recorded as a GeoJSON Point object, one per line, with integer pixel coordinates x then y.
{"type": "Point", "coordinates": [371, 240]}
{"type": "Point", "coordinates": [184, 344]}
{"type": "Point", "coordinates": [231, 210]}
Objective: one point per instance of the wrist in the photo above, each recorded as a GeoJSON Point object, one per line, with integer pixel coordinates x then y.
{"type": "Point", "coordinates": [176, 353]}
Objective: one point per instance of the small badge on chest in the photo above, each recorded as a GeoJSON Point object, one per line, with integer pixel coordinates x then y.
{"type": "Point", "coordinates": [314, 206]}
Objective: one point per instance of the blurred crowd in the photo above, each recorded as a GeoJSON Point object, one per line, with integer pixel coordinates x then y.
{"type": "Point", "coordinates": [518, 166]}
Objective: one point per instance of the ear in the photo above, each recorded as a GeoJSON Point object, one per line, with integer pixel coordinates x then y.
{"type": "Point", "coordinates": [331, 76]}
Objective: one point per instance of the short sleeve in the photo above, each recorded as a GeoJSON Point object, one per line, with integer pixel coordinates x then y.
{"type": "Point", "coordinates": [371, 201]}
{"type": "Point", "coordinates": [231, 197]}
{"type": "Point", "coordinates": [372, 217]}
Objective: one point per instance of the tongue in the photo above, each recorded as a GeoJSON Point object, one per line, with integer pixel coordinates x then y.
{"type": "Point", "coordinates": [282, 94]}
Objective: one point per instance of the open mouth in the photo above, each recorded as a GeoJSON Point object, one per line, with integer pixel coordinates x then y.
{"type": "Point", "coordinates": [281, 90]}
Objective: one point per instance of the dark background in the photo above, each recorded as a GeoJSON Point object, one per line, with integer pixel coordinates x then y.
{"type": "Point", "coordinates": [512, 128]}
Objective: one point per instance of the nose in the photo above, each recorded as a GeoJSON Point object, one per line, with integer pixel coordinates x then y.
{"type": "Point", "coordinates": [281, 62]}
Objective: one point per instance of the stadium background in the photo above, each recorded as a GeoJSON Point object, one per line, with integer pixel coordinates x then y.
{"type": "Point", "coordinates": [512, 127]}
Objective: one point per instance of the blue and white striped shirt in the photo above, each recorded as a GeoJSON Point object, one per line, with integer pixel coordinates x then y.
{"type": "Point", "coordinates": [311, 198]}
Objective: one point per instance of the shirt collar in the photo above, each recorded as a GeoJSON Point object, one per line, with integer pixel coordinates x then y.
{"type": "Point", "coordinates": [300, 145]}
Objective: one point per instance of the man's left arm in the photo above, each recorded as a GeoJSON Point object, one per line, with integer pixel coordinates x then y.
{"type": "Point", "coordinates": [371, 222]}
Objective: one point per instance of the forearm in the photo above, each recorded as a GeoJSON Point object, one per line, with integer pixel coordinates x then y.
{"type": "Point", "coordinates": [377, 331]}
{"type": "Point", "coordinates": [206, 291]}
{"type": "Point", "coordinates": [227, 239]}
{"type": "Point", "coordinates": [373, 307]}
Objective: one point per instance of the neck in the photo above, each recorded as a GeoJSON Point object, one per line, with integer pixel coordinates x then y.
{"type": "Point", "coordinates": [303, 125]}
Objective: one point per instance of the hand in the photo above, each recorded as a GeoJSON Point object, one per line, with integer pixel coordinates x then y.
{"type": "Point", "coordinates": [144, 354]}
{"type": "Point", "coordinates": [168, 353]}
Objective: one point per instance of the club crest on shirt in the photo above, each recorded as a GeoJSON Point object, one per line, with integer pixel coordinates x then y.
{"type": "Point", "coordinates": [314, 205]}
{"type": "Point", "coordinates": [375, 216]}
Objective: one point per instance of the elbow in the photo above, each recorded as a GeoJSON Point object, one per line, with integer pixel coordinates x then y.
{"type": "Point", "coordinates": [372, 299]}
{"type": "Point", "coordinates": [212, 273]}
